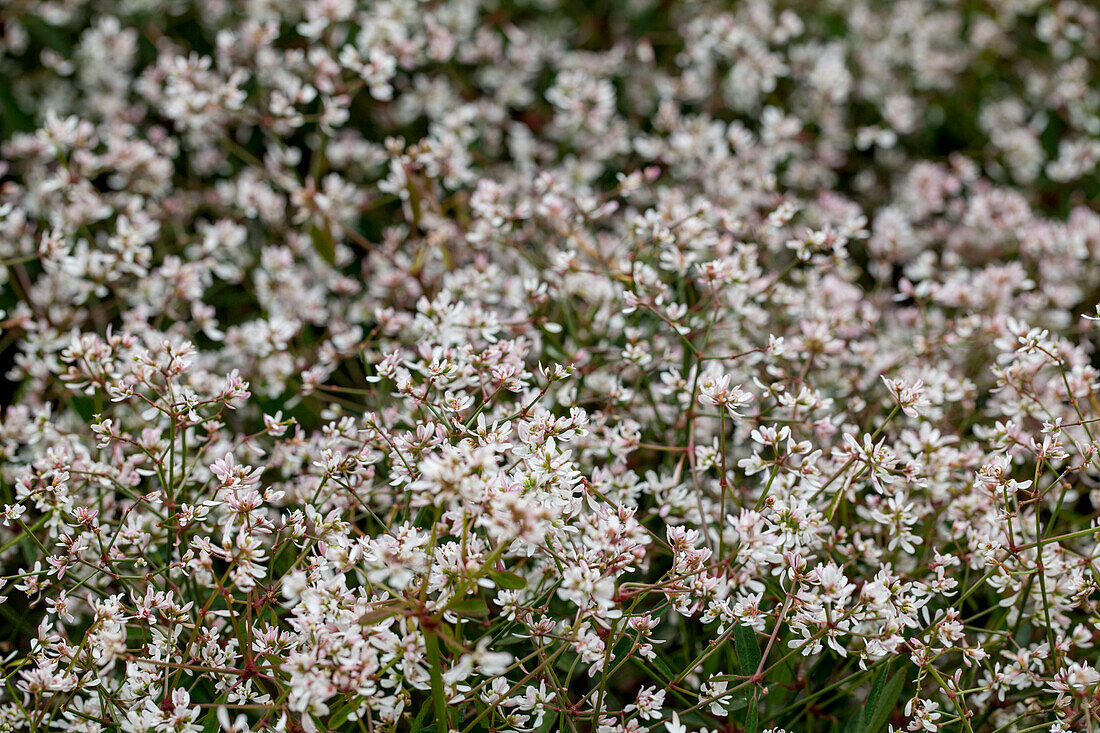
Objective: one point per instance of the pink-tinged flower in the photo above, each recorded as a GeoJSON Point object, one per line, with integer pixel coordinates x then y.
{"type": "Point", "coordinates": [910, 397]}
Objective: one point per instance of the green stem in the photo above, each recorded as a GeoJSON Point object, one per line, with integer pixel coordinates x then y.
{"type": "Point", "coordinates": [435, 669]}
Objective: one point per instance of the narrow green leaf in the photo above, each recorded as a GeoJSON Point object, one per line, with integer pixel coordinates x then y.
{"type": "Point", "coordinates": [435, 670]}
{"type": "Point", "coordinates": [779, 685]}
{"type": "Point", "coordinates": [340, 715]}
{"type": "Point", "coordinates": [736, 701]}
{"type": "Point", "coordinates": [13, 117]}
{"type": "Point", "coordinates": [663, 668]}
{"type": "Point", "coordinates": [84, 407]}
{"type": "Point", "coordinates": [748, 649]}
{"type": "Point", "coordinates": [752, 715]}
{"type": "Point", "coordinates": [470, 607]}
{"type": "Point", "coordinates": [417, 725]}
{"type": "Point", "coordinates": [877, 687]}
{"type": "Point", "coordinates": [885, 704]}
{"type": "Point", "coordinates": [507, 580]}
{"type": "Point", "coordinates": [46, 35]}
{"type": "Point", "coordinates": [210, 723]}
{"type": "Point", "coordinates": [323, 242]}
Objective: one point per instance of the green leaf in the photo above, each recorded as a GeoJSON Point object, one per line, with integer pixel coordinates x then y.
{"type": "Point", "coordinates": [877, 687]}
{"type": "Point", "coordinates": [663, 668]}
{"type": "Point", "coordinates": [210, 723]}
{"type": "Point", "coordinates": [417, 725]}
{"type": "Point", "coordinates": [748, 657]}
{"type": "Point", "coordinates": [13, 117]}
{"type": "Point", "coordinates": [737, 700]}
{"type": "Point", "coordinates": [323, 242]}
{"type": "Point", "coordinates": [748, 649]}
{"type": "Point", "coordinates": [822, 671]}
{"type": "Point", "coordinates": [47, 35]}
{"type": "Point", "coordinates": [885, 704]}
{"type": "Point", "coordinates": [340, 715]}
{"type": "Point", "coordinates": [435, 670]}
{"type": "Point", "coordinates": [752, 715]}
{"type": "Point", "coordinates": [508, 580]}
{"type": "Point", "coordinates": [84, 407]}
{"type": "Point", "coordinates": [779, 685]}
{"type": "Point", "coordinates": [470, 607]}
{"type": "Point", "coordinates": [855, 723]}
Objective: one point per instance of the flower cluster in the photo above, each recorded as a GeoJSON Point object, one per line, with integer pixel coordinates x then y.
{"type": "Point", "coordinates": [472, 365]}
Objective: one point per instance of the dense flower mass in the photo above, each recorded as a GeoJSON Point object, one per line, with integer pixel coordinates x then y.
{"type": "Point", "coordinates": [539, 365]}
